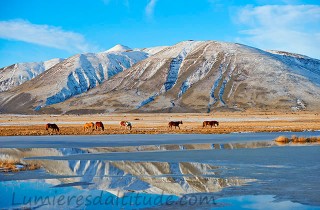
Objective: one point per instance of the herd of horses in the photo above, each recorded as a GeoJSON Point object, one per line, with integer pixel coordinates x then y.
{"type": "Point", "coordinates": [91, 126]}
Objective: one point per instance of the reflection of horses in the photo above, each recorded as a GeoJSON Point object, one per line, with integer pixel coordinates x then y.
{"type": "Point", "coordinates": [175, 124]}
{"type": "Point", "coordinates": [126, 124]}
{"type": "Point", "coordinates": [99, 125]}
{"type": "Point", "coordinates": [88, 126]}
{"type": "Point", "coordinates": [211, 123]}
{"type": "Point", "coordinates": [54, 127]}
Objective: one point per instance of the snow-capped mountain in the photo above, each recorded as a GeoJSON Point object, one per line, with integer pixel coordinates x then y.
{"type": "Point", "coordinates": [196, 76]}
{"type": "Point", "coordinates": [191, 76]}
{"type": "Point", "coordinates": [72, 76]}
{"type": "Point", "coordinates": [153, 50]}
{"type": "Point", "coordinates": [16, 74]}
{"type": "Point", "coordinates": [119, 48]}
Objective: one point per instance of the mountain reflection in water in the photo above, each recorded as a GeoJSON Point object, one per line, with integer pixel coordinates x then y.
{"type": "Point", "coordinates": [73, 170]}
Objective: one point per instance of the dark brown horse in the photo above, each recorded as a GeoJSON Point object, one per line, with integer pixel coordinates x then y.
{"type": "Point", "coordinates": [175, 124]}
{"type": "Point", "coordinates": [211, 123]}
{"type": "Point", "coordinates": [54, 127]}
{"type": "Point", "coordinates": [99, 125]}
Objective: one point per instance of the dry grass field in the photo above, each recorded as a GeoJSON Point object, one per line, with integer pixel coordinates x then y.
{"type": "Point", "coordinates": [11, 125]}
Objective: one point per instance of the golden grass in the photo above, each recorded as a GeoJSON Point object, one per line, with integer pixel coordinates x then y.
{"type": "Point", "coordinates": [282, 139]}
{"type": "Point", "coordinates": [295, 139]}
{"type": "Point", "coordinates": [158, 123]}
{"type": "Point", "coordinates": [224, 128]}
{"type": "Point", "coordinates": [11, 166]}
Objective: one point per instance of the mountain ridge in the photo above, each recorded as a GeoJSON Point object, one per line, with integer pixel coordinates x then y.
{"type": "Point", "coordinates": [198, 76]}
{"type": "Point", "coordinates": [70, 77]}
{"type": "Point", "coordinates": [16, 74]}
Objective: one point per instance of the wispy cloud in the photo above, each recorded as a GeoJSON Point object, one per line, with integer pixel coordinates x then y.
{"type": "Point", "coordinates": [150, 8]}
{"type": "Point", "coordinates": [45, 35]}
{"type": "Point", "coordinates": [293, 28]}
{"type": "Point", "coordinates": [126, 3]}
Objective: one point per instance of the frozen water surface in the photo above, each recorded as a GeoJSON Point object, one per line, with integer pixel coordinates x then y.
{"type": "Point", "coordinates": [229, 171]}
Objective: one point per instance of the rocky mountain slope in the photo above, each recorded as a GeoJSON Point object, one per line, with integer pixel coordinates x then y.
{"type": "Point", "coordinates": [16, 74]}
{"type": "Point", "coordinates": [191, 76]}
{"type": "Point", "coordinates": [207, 76]}
{"type": "Point", "coordinates": [68, 78]}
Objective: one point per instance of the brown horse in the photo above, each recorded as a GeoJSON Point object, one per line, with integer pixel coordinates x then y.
{"type": "Point", "coordinates": [99, 125]}
{"type": "Point", "coordinates": [88, 126]}
{"type": "Point", "coordinates": [175, 124]}
{"type": "Point", "coordinates": [126, 124]}
{"type": "Point", "coordinates": [54, 127]}
{"type": "Point", "coordinates": [211, 123]}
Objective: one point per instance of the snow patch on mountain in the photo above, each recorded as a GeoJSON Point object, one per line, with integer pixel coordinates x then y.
{"type": "Point", "coordinates": [148, 100]}
{"type": "Point", "coordinates": [230, 68]}
{"type": "Point", "coordinates": [17, 74]}
{"type": "Point", "coordinates": [284, 53]}
{"type": "Point", "coordinates": [213, 99]}
{"type": "Point", "coordinates": [300, 64]}
{"type": "Point", "coordinates": [154, 50]}
{"type": "Point", "coordinates": [198, 75]}
{"type": "Point", "coordinates": [90, 70]}
{"type": "Point", "coordinates": [175, 65]}
{"type": "Point", "coordinates": [119, 48]}
{"type": "Point", "coordinates": [182, 50]}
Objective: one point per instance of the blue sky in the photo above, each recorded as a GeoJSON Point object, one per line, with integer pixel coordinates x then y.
{"type": "Point", "coordinates": [38, 30]}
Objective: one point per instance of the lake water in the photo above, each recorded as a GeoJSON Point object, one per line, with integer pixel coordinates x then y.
{"type": "Point", "coordinates": [226, 171]}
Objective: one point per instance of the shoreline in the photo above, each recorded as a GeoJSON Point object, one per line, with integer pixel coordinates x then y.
{"type": "Point", "coordinates": [18, 131]}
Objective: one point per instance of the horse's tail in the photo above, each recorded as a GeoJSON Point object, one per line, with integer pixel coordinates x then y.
{"type": "Point", "coordinates": [47, 127]}
{"type": "Point", "coordinates": [203, 124]}
{"type": "Point", "coordinates": [102, 126]}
